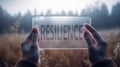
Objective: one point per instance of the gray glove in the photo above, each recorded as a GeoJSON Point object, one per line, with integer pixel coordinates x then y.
{"type": "Point", "coordinates": [96, 44]}
{"type": "Point", "coordinates": [30, 48]}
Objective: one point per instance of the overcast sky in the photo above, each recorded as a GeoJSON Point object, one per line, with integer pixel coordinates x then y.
{"type": "Point", "coordinates": [14, 6]}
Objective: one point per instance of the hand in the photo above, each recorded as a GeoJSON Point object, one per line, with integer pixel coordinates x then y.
{"type": "Point", "coordinates": [30, 48]}
{"type": "Point", "coordinates": [96, 44]}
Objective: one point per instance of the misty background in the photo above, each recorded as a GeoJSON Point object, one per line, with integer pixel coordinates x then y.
{"type": "Point", "coordinates": [22, 23]}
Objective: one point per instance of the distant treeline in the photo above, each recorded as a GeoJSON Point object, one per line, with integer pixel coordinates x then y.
{"type": "Point", "coordinates": [23, 24]}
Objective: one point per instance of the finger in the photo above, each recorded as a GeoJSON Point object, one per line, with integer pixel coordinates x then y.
{"type": "Point", "coordinates": [35, 35]}
{"type": "Point", "coordinates": [28, 38]}
{"type": "Point", "coordinates": [95, 34]}
{"type": "Point", "coordinates": [88, 38]}
{"type": "Point", "coordinates": [34, 50]}
{"type": "Point", "coordinates": [38, 34]}
{"type": "Point", "coordinates": [26, 44]}
{"type": "Point", "coordinates": [91, 48]}
{"type": "Point", "coordinates": [101, 49]}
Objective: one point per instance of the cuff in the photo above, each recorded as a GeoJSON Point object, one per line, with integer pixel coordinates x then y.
{"type": "Point", "coordinates": [26, 63]}
{"type": "Point", "coordinates": [105, 63]}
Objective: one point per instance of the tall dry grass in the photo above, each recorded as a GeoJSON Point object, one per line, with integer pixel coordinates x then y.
{"type": "Point", "coordinates": [10, 52]}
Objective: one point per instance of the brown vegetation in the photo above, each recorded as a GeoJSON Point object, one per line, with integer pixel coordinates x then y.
{"type": "Point", "coordinates": [10, 52]}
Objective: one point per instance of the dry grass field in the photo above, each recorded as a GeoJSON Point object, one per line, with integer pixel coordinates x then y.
{"type": "Point", "coordinates": [10, 52]}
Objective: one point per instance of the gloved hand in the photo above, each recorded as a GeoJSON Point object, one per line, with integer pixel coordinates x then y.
{"type": "Point", "coordinates": [30, 48]}
{"type": "Point", "coordinates": [96, 44]}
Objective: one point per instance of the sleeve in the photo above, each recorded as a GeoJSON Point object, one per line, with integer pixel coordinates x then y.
{"type": "Point", "coordinates": [105, 63]}
{"type": "Point", "coordinates": [25, 63]}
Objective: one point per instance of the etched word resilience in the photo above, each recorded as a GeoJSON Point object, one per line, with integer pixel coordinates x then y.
{"type": "Point", "coordinates": [60, 32]}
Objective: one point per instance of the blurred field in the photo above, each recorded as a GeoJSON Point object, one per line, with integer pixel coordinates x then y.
{"type": "Point", "coordinates": [10, 52]}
